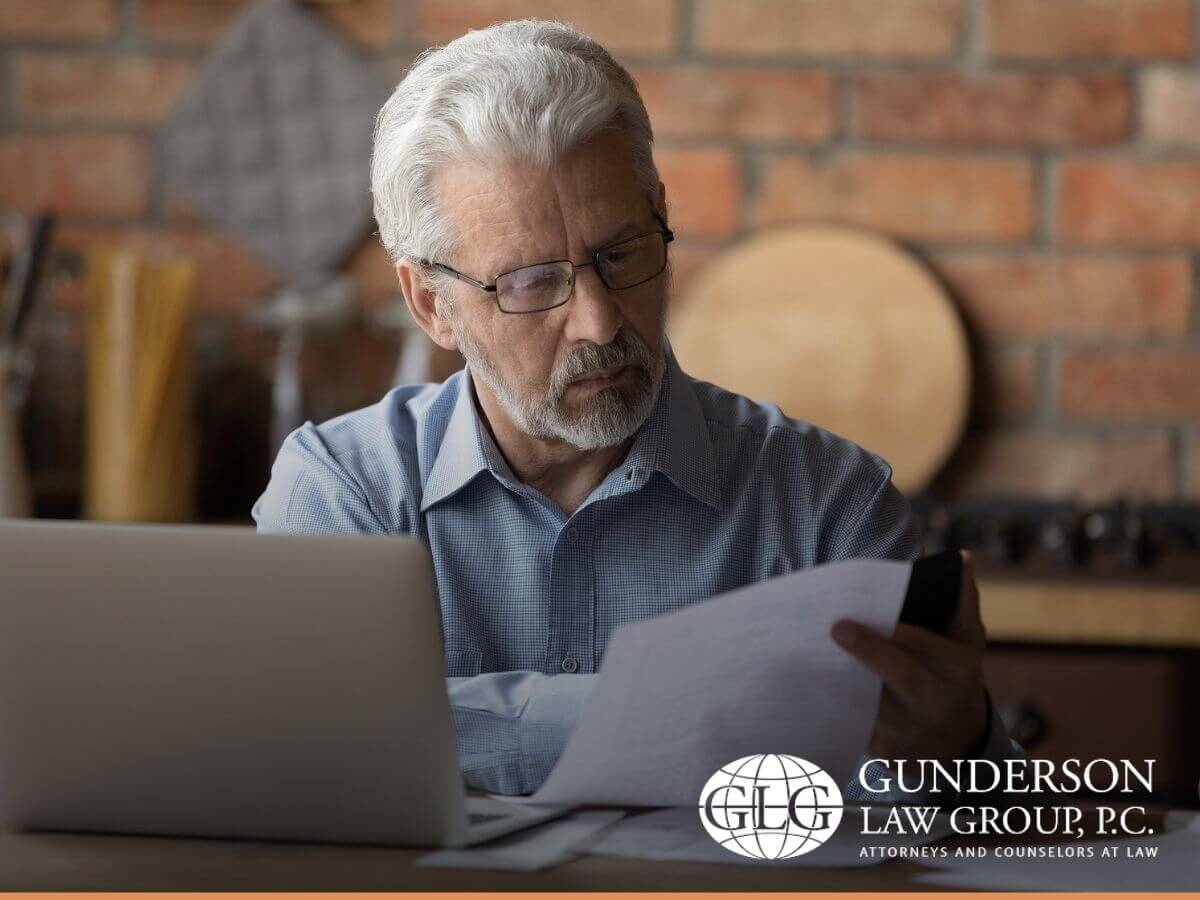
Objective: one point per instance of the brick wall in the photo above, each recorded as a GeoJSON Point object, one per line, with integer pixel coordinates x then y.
{"type": "Point", "coordinates": [1042, 155]}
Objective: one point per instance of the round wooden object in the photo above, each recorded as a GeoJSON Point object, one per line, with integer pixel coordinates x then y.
{"type": "Point", "coordinates": [841, 328]}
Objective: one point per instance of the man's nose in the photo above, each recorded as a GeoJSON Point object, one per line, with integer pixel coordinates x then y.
{"type": "Point", "coordinates": [592, 314]}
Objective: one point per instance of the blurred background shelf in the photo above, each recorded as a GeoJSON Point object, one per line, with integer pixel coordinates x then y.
{"type": "Point", "coordinates": [1079, 613]}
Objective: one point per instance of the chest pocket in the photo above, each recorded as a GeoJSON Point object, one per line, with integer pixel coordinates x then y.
{"type": "Point", "coordinates": [463, 663]}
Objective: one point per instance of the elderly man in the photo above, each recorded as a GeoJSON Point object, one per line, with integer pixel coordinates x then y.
{"type": "Point", "coordinates": [572, 478]}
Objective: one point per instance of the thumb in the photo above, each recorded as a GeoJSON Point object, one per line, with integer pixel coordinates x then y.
{"type": "Point", "coordinates": [968, 621]}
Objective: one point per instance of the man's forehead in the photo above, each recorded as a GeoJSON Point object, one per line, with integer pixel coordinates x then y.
{"type": "Point", "coordinates": [511, 213]}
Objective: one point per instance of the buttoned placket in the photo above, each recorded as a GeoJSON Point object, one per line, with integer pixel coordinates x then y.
{"type": "Point", "coordinates": [570, 647]}
{"type": "Point", "coordinates": [571, 642]}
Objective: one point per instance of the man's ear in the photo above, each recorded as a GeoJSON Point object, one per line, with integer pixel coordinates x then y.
{"type": "Point", "coordinates": [424, 306]}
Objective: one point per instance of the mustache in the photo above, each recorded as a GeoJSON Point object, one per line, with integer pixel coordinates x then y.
{"type": "Point", "coordinates": [626, 349]}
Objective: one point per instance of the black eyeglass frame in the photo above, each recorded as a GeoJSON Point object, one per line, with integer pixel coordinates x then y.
{"type": "Point", "coordinates": [667, 234]}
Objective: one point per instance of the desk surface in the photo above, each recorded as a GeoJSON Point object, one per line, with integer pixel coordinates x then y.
{"type": "Point", "coordinates": [73, 862]}
{"type": "Point", "coordinates": [68, 862]}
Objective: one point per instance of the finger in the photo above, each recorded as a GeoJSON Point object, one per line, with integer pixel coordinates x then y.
{"type": "Point", "coordinates": [913, 683]}
{"type": "Point", "coordinates": [967, 623]}
{"type": "Point", "coordinates": [946, 657]}
{"type": "Point", "coordinates": [920, 640]}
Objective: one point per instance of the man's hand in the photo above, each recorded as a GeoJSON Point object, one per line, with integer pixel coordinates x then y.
{"type": "Point", "coordinates": [934, 704]}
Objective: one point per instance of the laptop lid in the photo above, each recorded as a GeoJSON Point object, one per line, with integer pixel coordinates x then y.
{"type": "Point", "coordinates": [214, 681]}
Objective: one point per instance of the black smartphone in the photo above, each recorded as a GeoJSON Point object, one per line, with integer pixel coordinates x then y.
{"type": "Point", "coordinates": [932, 595]}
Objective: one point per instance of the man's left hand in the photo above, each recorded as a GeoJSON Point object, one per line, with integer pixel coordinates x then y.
{"type": "Point", "coordinates": [934, 703]}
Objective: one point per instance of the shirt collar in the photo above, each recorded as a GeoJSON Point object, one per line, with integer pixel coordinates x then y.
{"type": "Point", "coordinates": [466, 449]}
{"type": "Point", "coordinates": [674, 440]}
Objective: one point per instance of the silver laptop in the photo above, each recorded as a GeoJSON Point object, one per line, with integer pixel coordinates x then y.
{"type": "Point", "coordinates": [218, 682]}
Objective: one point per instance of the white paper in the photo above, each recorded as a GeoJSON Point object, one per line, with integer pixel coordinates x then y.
{"type": "Point", "coordinates": [677, 834]}
{"type": "Point", "coordinates": [1172, 867]}
{"type": "Point", "coordinates": [532, 849]}
{"type": "Point", "coordinates": [751, 671]}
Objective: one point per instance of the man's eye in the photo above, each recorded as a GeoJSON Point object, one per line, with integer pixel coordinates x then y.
{"type": "Point", "coordinates": [538, 283]}
{"type": "Point", "coordinates": [616, 256]}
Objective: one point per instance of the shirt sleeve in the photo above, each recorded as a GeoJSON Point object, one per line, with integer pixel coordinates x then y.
{"type": "Point", "coordinates": [513, 726]}
{"type": "Point", "coordinates": [873, 520]}
{"type": "Point", "coordinates": [311, 492]}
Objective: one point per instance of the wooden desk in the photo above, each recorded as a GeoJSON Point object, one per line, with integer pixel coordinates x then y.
{"type": "Point", "coordinates": [71, 862]}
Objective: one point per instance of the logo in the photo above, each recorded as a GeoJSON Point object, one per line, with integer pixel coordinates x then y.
{"type": "Point", "coordinates": [771, 806]}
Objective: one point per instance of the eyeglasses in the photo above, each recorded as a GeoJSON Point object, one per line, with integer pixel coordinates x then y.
{"type": "Point", "coordinates": [543, 286]}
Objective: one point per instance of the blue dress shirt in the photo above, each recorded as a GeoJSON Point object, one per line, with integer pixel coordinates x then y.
{"type": "Point", "coordinates": [717, 492]}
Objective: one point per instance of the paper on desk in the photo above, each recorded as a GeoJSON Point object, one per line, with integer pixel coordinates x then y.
{"type": "Point", "coordinates": [1172, 867]}
{"type": "Point", "coordinates": [677, 834]}
{"type": "Point", "coordinates": [540, 847]}
{"type": "Point", "coordinates": [750, 671]}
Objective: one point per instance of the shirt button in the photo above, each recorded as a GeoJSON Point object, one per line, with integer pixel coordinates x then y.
{"type": "Point", "coordinates": [572, 535]}
{"type": "Point", "coordinates": [570, 664]}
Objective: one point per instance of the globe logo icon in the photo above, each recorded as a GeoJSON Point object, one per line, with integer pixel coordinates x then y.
{"type": "Point", "coordinates": [771, 806]}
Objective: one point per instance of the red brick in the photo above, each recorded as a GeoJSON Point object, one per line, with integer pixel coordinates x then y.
{"type": "Point", "coordinates": [1081, 295]}
{"type": "Point", "coordinates": [1171, 107]}
{"type": "Point", "coordinates": [367, 22]}
{"type": "Point", "coordinates": [61, 87]}
{"type": "Point", "coordinates": [187, 22]}
{"type": "Point", "coordinates": [703, 190]}
{"type": "Point", "coordinates": [913, 29]}
{"type": "Point", "coordinates": [228, 277]}
{"type": "Point", "coordinates": [1006, 108]}
{"type": "Point", "coordinates": [100, 174]}
{"type": "Point", "coordinates": [74, 19]}
{"type": "Point", "coordinates": [1138, 383]}
{"type": "Point", "coordinates": [770, 104]}
{"type": "Point", "coordinates": [1132, 29]}
{"type": "Point", "coordinates": [1008, 382]}
{"type": "Point", "coordinates": [1081, 468]}
{"type": "Point", "coordinates": [200, 22]}
{"type": "Point", "coordinates": [623, 26]}
{"type": "Point", "coordinates": [923, 197]}
{"type": "Point", "coordinates": [1130, 202]}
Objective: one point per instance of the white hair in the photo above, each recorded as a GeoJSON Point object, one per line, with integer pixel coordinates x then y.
{"type": "Point", "coordinates": [526, 91]}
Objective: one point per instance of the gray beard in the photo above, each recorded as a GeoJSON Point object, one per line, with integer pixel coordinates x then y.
{"type": "Point", "coordinates": [603, 420]}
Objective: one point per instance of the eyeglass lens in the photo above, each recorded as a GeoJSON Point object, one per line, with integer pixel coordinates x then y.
{"type": "Point", "coordinates": [542, 286]}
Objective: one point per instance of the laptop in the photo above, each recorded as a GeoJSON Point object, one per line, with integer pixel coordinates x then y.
{"type": "Point", "coordinates": [216, 682]}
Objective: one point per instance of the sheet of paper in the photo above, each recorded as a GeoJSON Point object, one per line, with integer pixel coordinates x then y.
{"type": "Point", "coordinates": [540, 847]}
{"type": "Point", "coordinates": [1159, 862]}
{"type": "Point", "coordinates": [751, 671]}
{"type": "Point", "coordinates": [678, 834]}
